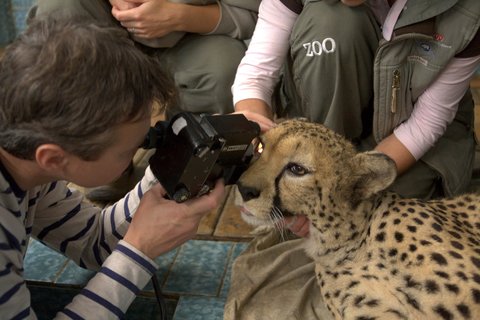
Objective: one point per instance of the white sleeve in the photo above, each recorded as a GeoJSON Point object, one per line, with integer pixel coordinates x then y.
{"type": "Point", "coordinates": [437, 106]}
{"type": "Point", "coordinates": [259, 70]}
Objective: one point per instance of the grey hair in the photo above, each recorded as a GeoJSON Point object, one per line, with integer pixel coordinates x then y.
{"type": "Point", "coordinates": [70, 82]}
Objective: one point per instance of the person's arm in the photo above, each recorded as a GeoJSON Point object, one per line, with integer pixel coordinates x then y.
{"type": "Point", "coordinates": [121, 241]}
{"type": "Point", "coordinates": [259, 70]}
{"type": "Point", "coordinates": [157, 18]}
{"type": "Point", "coordinates": [432, 113]}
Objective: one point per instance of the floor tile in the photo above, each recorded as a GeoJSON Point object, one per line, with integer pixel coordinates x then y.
{"type": "Point", "coordinates": [199, 308]}
{"type": "Point", "coordinates": [208, 222]}
{"type": "Point", "coordinates": [42, 263]}
{"type": "Point", "coordinates": [146, 308]}
{"type": "Point", "coordinates": [231, 223]}
{"type": "Point", "coordinates": [165, 263]}
{"type": "Point", "coordinates": [199, 268]}
{"type": "Point", "coordinates": [47, 301]}
{"type": "Point", "coordinates": [74, 275]}
{"type": "Point", "coordinates": [237, 250]}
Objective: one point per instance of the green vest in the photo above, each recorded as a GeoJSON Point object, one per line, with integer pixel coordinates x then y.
{"type": "Point", "coordinates": [427, 35]}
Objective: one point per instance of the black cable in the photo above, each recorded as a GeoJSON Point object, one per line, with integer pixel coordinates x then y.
{"type": "Point", "coordinates": [160, 299]}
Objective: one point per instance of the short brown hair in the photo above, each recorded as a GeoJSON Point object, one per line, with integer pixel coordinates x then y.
{"type": "Point", "coordinates": [69, 82]}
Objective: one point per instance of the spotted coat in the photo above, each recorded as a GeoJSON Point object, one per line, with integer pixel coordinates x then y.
{"type": "Point", "coordinates": [378, 256]}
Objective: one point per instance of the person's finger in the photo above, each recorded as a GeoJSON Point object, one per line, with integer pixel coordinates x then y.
{"type": "Point", "coordinates": [264, 122]}
{"type": "Point", "coordinates": [127, 15]}
{"type": "Point", "coordinates": [159, 189]}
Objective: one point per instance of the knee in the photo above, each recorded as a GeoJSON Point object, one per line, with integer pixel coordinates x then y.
{"type": "Point", "coordinates": [222, 75]}
{"type": "Point", "coordinates": [98, 10]}
{"type": "Point", "coordinates": [227, 59]}
{"type": "Point", "coordinates": [47, 7]}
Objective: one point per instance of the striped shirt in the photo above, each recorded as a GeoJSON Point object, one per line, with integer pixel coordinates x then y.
{"type": "Point", "coordinates": [61, 218]}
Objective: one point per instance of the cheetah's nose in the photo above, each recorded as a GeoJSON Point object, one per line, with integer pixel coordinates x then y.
{"type": "Point", "coordinates": [247, 193]}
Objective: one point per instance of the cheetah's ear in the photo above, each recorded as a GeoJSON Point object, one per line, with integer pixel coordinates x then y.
{"type": "Point", "coordinates": [372, 172]}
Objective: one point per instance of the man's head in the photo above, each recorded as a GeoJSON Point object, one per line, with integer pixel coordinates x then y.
{"type": "Point", "coordinates": [71, 83]}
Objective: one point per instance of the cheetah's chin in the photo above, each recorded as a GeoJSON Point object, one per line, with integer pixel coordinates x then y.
{"type": "Point", "coordinates": [250, 217]}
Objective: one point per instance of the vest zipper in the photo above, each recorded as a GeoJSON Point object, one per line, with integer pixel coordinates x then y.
{"type": "Point", "coordinates": [395, 90]}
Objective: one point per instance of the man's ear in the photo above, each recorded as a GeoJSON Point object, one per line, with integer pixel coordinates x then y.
{"type": "Point", "coordinates": [51, 157]}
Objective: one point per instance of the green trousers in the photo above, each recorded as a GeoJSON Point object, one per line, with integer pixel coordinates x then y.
{"type": "Point", "coordinates": [203, 66]}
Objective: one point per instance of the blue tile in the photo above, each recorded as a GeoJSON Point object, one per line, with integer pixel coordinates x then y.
{"type": "Point", "coordinates": [73, 274]}
{"type": "Point", "coordinates": [42, 263]}
{"type": "Point", "coordinates": [47, 301]}
{"type": "Point", "coordinates": [237, 250]}
{"type": "Point", "coordinates": [165, 262]}
{"type": "Point", "coordinates": [199, 308]}
{"type": "Point", "coordinates": [199, 268]}
{"type": "Point", "coordinates": [145, 308]}
{"type": "Point", "coordinates": [7, 25]}
{"type": "Point", "coordinates": [20, 9]}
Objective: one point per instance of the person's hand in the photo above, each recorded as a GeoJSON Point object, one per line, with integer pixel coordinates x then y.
{"type": "Point", "coordinates": [122, 4]}
{"type": "Point", "coordinates": [256, 110]}
{"type": "Point", "coordinates": [148, 18]}
{"type": "Point", "coordinates": [299, 225]}
{"type": "Point", "coordinates": [159, 224]}
{"type": "Point", "coordinates": [157, 18]}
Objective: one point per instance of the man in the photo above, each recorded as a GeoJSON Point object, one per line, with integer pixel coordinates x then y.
{"type": "Point", "coordinates": [75, 104]}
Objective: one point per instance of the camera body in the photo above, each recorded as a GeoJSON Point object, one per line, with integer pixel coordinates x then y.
{"type": "Point", "coordinates": [193, 151]}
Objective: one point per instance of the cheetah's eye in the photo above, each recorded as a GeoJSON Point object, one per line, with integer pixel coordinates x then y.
{"type": "Point", "coordinates": [297, 169]}
{"type": "Point", "coordinates": [259, 148]}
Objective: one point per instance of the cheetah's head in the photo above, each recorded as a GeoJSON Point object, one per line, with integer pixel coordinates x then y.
{"type": "Point", "coordinates": [305, 168]}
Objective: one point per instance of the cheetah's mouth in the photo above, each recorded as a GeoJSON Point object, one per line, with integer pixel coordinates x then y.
{"type": "Point", "coordinates": [251, 218]}
{"type": "Point", "coordinates": [246, 212]}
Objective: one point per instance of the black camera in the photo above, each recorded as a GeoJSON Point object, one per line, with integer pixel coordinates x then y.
{"type": "Point", "coordinates": [193, 151]}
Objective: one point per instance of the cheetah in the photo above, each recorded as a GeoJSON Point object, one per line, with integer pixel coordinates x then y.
{"type": "Point", "coordinates": [377, 255]}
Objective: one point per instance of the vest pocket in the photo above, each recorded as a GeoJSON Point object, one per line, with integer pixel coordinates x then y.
{"type": "Point", "coordinates": [396, 105]}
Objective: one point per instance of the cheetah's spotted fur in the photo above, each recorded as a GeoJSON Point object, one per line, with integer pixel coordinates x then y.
{"type": "Point", "coordinates": [377, 256]}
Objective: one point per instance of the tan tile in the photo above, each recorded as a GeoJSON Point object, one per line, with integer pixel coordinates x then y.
{"type": "Point", "coordinates": [230, 223]}
{"type": "Point", "coordinates": [207, 225]}
{"type": "Point", "coordinates": [209, 222]}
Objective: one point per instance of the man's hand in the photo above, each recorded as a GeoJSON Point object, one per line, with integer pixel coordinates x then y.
{"type": "Point", "coordinates": [160, 225]}
{"type": "Point", "coordinates": [157, 18]}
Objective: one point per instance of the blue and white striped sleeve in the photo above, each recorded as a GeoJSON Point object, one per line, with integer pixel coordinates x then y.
{"type": "Point", "coordinates": [82, 231]}
{"type": "Point", "coordinates": [14, 295]}
{"type": "Point", "coordinates": [111, 291]}
{"type": "Point", "coordinates": [92, 238]}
